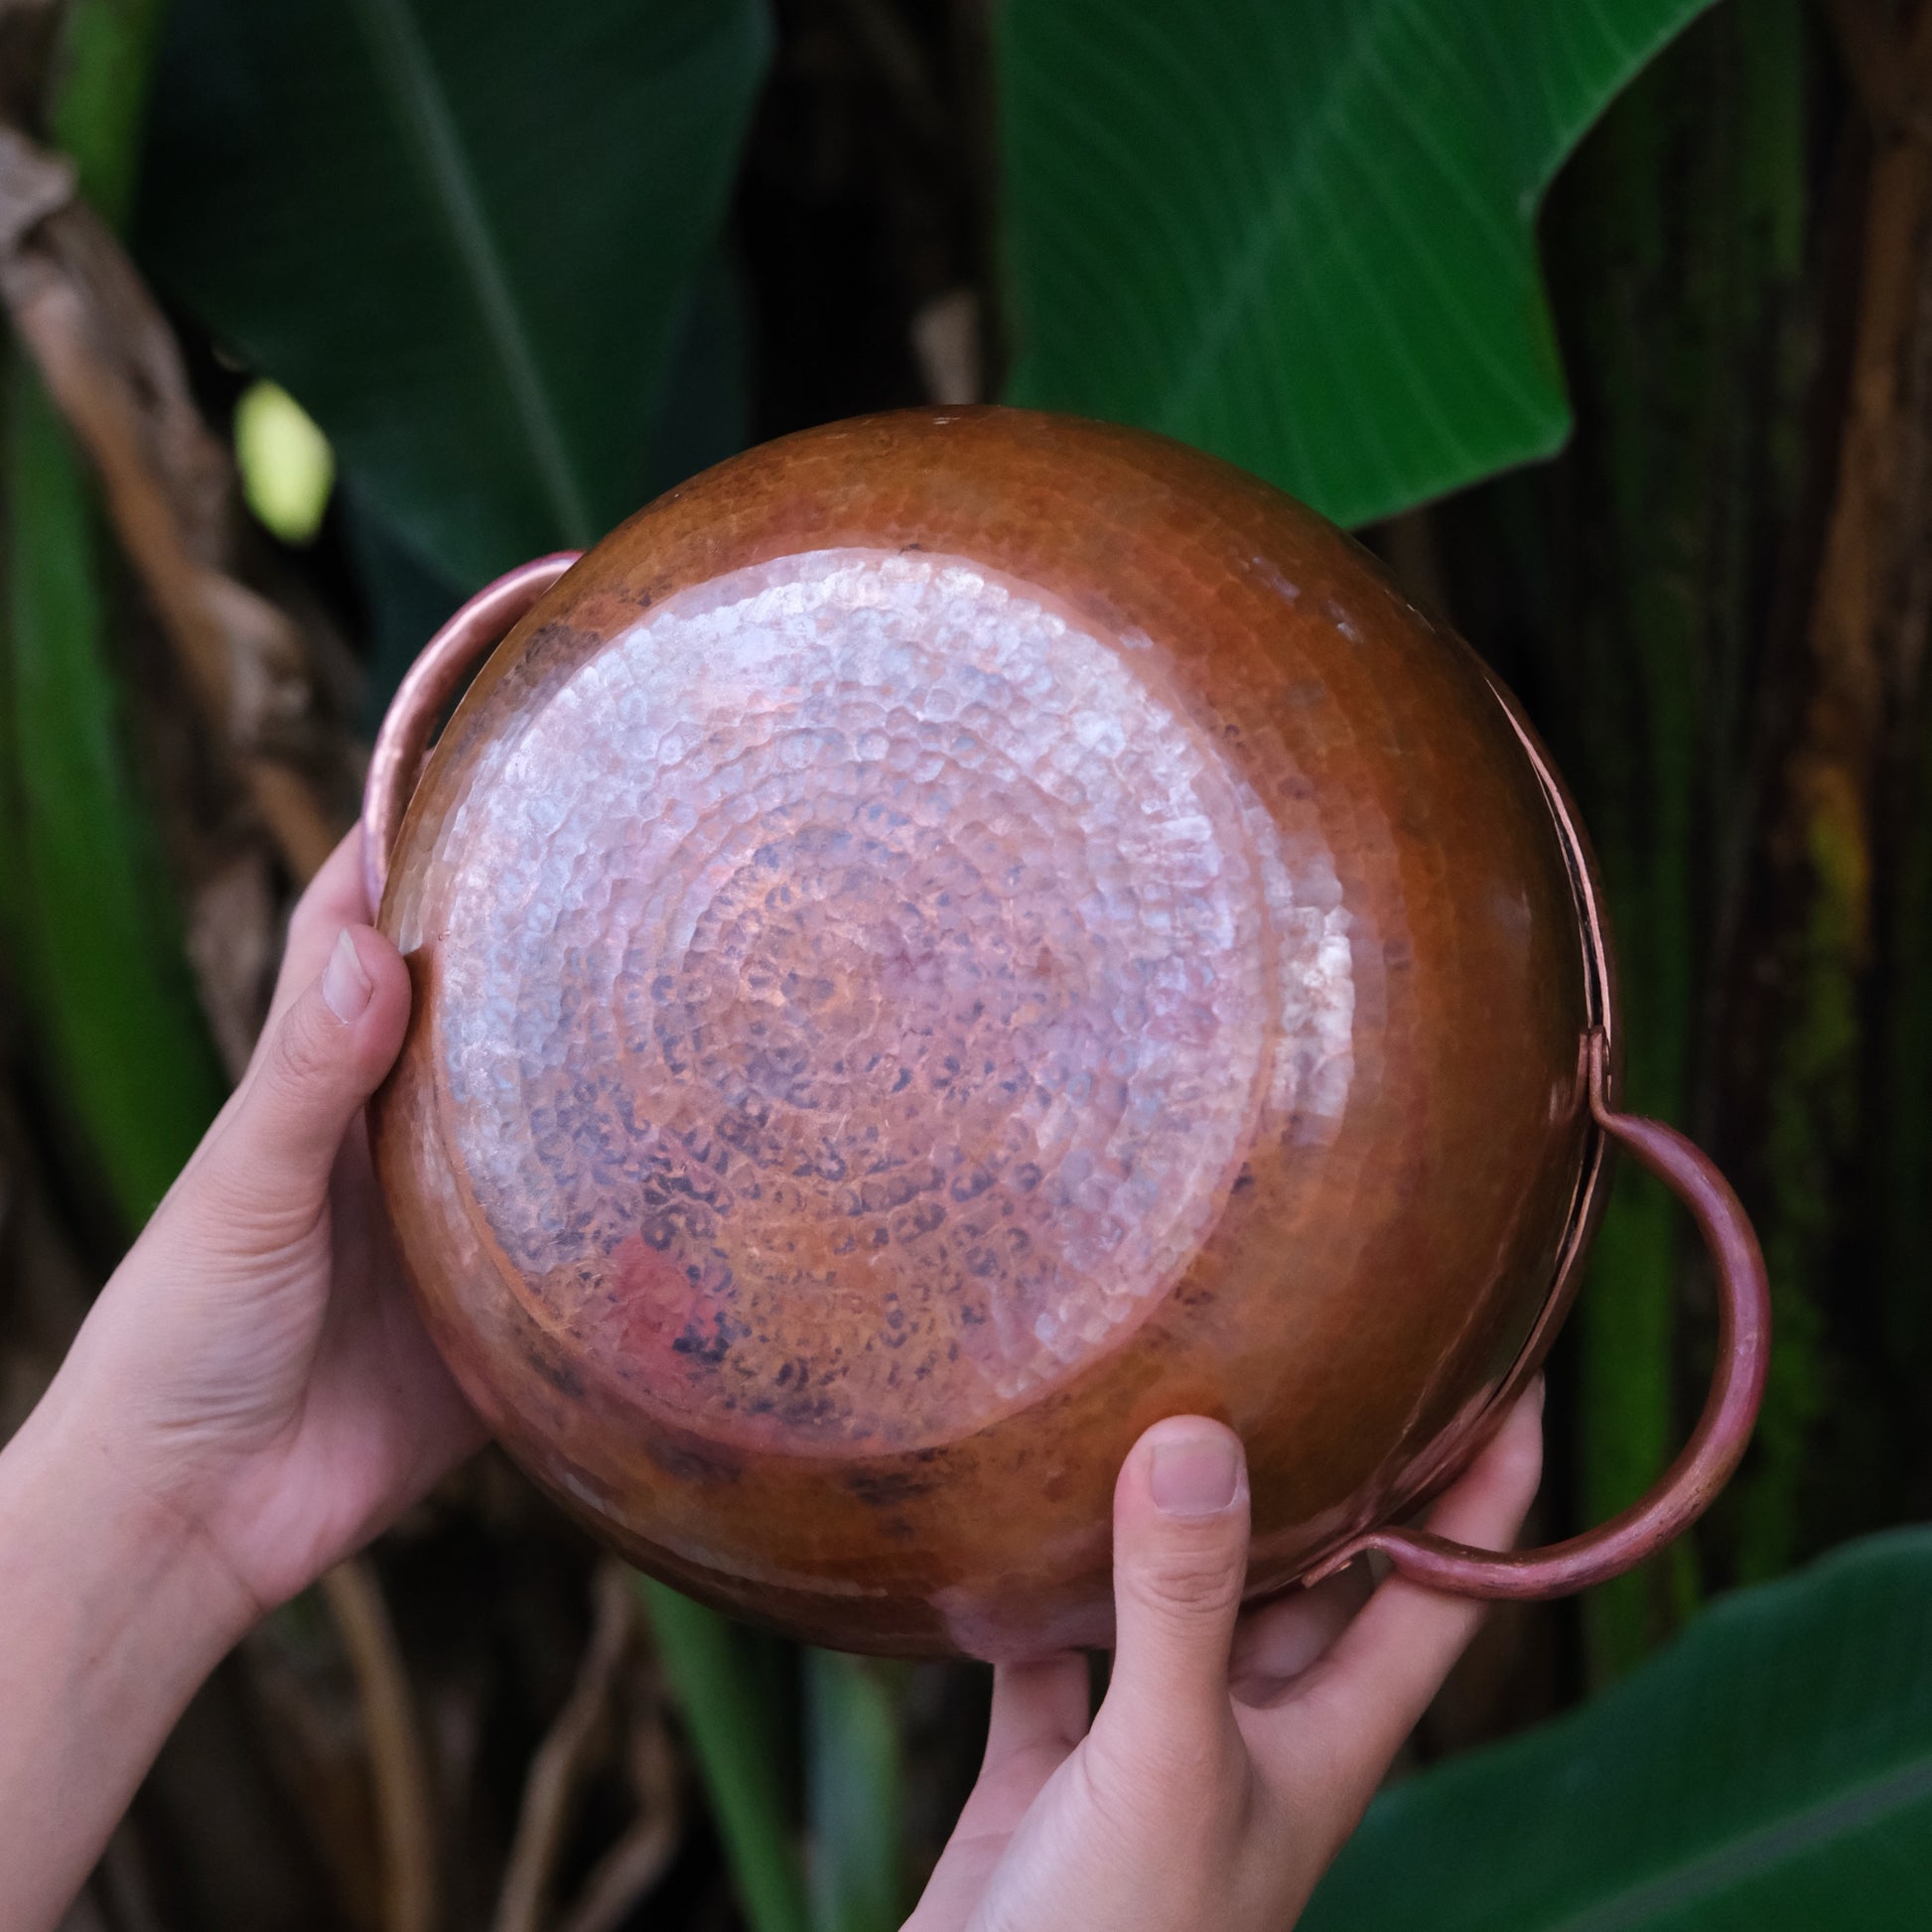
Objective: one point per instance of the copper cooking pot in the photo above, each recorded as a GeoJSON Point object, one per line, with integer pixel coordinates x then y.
{"type": "Point", "coordinates": [950, 937]}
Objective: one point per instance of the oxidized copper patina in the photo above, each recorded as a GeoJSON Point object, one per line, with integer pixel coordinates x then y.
{"type": "Point", "coordinates": [944, 941]}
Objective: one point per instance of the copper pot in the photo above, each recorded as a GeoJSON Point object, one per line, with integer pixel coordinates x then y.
{"type": "Point", "coordinates": [950, 937]}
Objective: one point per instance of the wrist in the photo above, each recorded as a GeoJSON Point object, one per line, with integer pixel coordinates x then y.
{"type": "Point", "coordinates": [114, 1612]}
{"type": "Point", "coordinates": [94, 1506]}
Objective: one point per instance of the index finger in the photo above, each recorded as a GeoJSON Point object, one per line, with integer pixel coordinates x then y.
{"type": "Point", "coordinates": [1361, 1701]}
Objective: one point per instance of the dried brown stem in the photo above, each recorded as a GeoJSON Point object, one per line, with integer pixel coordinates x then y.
{"type": "Point", "coordinates": [638, 1860]}
{"type": "Point", "coordinates": [1873, 594]}
{"type": "Point", "coordinates": [565, 1754]}
{"type": "Point", "coordinates": [633, 1865]}
{"type": "Point", "coordinates": [112, 368]}
{"type": "Point", "coordinates": [396, 1760]}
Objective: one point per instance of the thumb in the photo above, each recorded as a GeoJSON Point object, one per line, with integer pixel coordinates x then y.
{"type": "Point", "coordinates": [1180, 1560]}
{"type": "Point", "coordinates": [320, 1059]}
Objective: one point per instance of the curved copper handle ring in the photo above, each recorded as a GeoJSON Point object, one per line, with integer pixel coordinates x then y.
{"type": "Point", "coordinates": [432, 681]}
{"type": "Point", "coordinates": [1686, 1489]}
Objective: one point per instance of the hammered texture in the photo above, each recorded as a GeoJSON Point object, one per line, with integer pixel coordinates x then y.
{"type": "Point", "coordinates": [914, 1006]}
{"type": "Point", "coordinates": [939, 942]}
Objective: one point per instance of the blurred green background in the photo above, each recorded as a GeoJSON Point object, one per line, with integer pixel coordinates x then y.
{"type": "Point", "coordinates": [1607, 324]}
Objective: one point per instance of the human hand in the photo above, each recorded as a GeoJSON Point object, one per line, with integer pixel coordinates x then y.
{"type": "Point", "coordinates": [1232, 1755]}
{"type": "Point", "coordinates": [255, 1363]}
{"type": "Point", "coordinates": [250, 1398]}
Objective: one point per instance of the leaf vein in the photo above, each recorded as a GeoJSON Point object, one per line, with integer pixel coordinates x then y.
{"type": "Point", "coordinates": [403, 64]}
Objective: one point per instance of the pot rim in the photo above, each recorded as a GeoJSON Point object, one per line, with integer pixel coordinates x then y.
{"type": "Point", "coordinates": [1457, 1447]}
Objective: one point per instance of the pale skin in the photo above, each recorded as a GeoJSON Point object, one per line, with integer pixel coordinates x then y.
{"type": "Point", "coordinates": [252, 1397]}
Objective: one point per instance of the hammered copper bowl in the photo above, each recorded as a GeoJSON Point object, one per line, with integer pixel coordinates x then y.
{"type": "Point", "coordinates": [948, 939]}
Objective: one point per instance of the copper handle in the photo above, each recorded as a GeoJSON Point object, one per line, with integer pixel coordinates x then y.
{"type": "Point", "coordinates": [431, 682]}
{"type": "Point", "coordinates": [1686, 1489]}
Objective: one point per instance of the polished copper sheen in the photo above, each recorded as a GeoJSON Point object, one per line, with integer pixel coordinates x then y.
{"type": "Point", "coordinates": [951, 937]}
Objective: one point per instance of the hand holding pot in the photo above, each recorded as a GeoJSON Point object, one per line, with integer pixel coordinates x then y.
{"type": "Point", "coordinates": [1232, 1755]}
{"type": "Point", "coordinates": [257, 1358]}
{"type": "Point", "coordinates": [251, 1398]}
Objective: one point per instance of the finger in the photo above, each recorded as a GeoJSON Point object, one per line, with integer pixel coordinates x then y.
{"type": "Point", "coordinates": [1387, 1664]}
{"type": "Point", "coordinates": [1275, 1644]}
{"type": "Point", "coordinates": [1039, 1716]}
{"type": "Point", "coordinates": [267, 1167]}
{"type": "Point", "coordinates": [333, 899]}
{"type": "Point", "coordinates": [1180, 1559]}
{"type": "Point", "coordinates": [1040, 1711]}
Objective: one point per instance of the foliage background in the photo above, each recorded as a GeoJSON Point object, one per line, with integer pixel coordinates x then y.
{"type": "Point", "coordinates": [1608, 325]}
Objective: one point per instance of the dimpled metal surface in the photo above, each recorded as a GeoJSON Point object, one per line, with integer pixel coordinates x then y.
{"type": "Point", "coordinates": [939, 942]}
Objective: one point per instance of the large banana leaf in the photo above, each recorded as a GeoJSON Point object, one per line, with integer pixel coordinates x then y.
{"type": "Point", "coordinates": [1772, 1769]}
{"type": "Point", "coordinates": [1300, 233]}
{"type": "Point", "coordinates": [462, 233]}
{"type": "Point", "coordinates": [704, 416]}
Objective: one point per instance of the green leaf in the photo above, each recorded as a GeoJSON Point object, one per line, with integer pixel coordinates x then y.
{"type": "Point", "coordinates": [1300, 233]}
{"type": "Point", "coordinates": [462, 233]}
{"type": "Point", "coordinates": [704, 412]}
{"type": "Point", "coordinates": [1771, 1770]}
{"type": "Point", "coordinates": [735, 1728]}
{"type": "Point", "coordinates": [89, 921]}
{"type": "Point", "coordinates": [853, 1792]}
{"type": "Point", "coordinates": [106, 59]}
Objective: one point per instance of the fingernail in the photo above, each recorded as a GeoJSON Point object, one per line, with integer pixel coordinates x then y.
{"type": "Point", "coordinates": [1195, 1475]}
{"type": "Point", "coordinates": [344, 986]}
